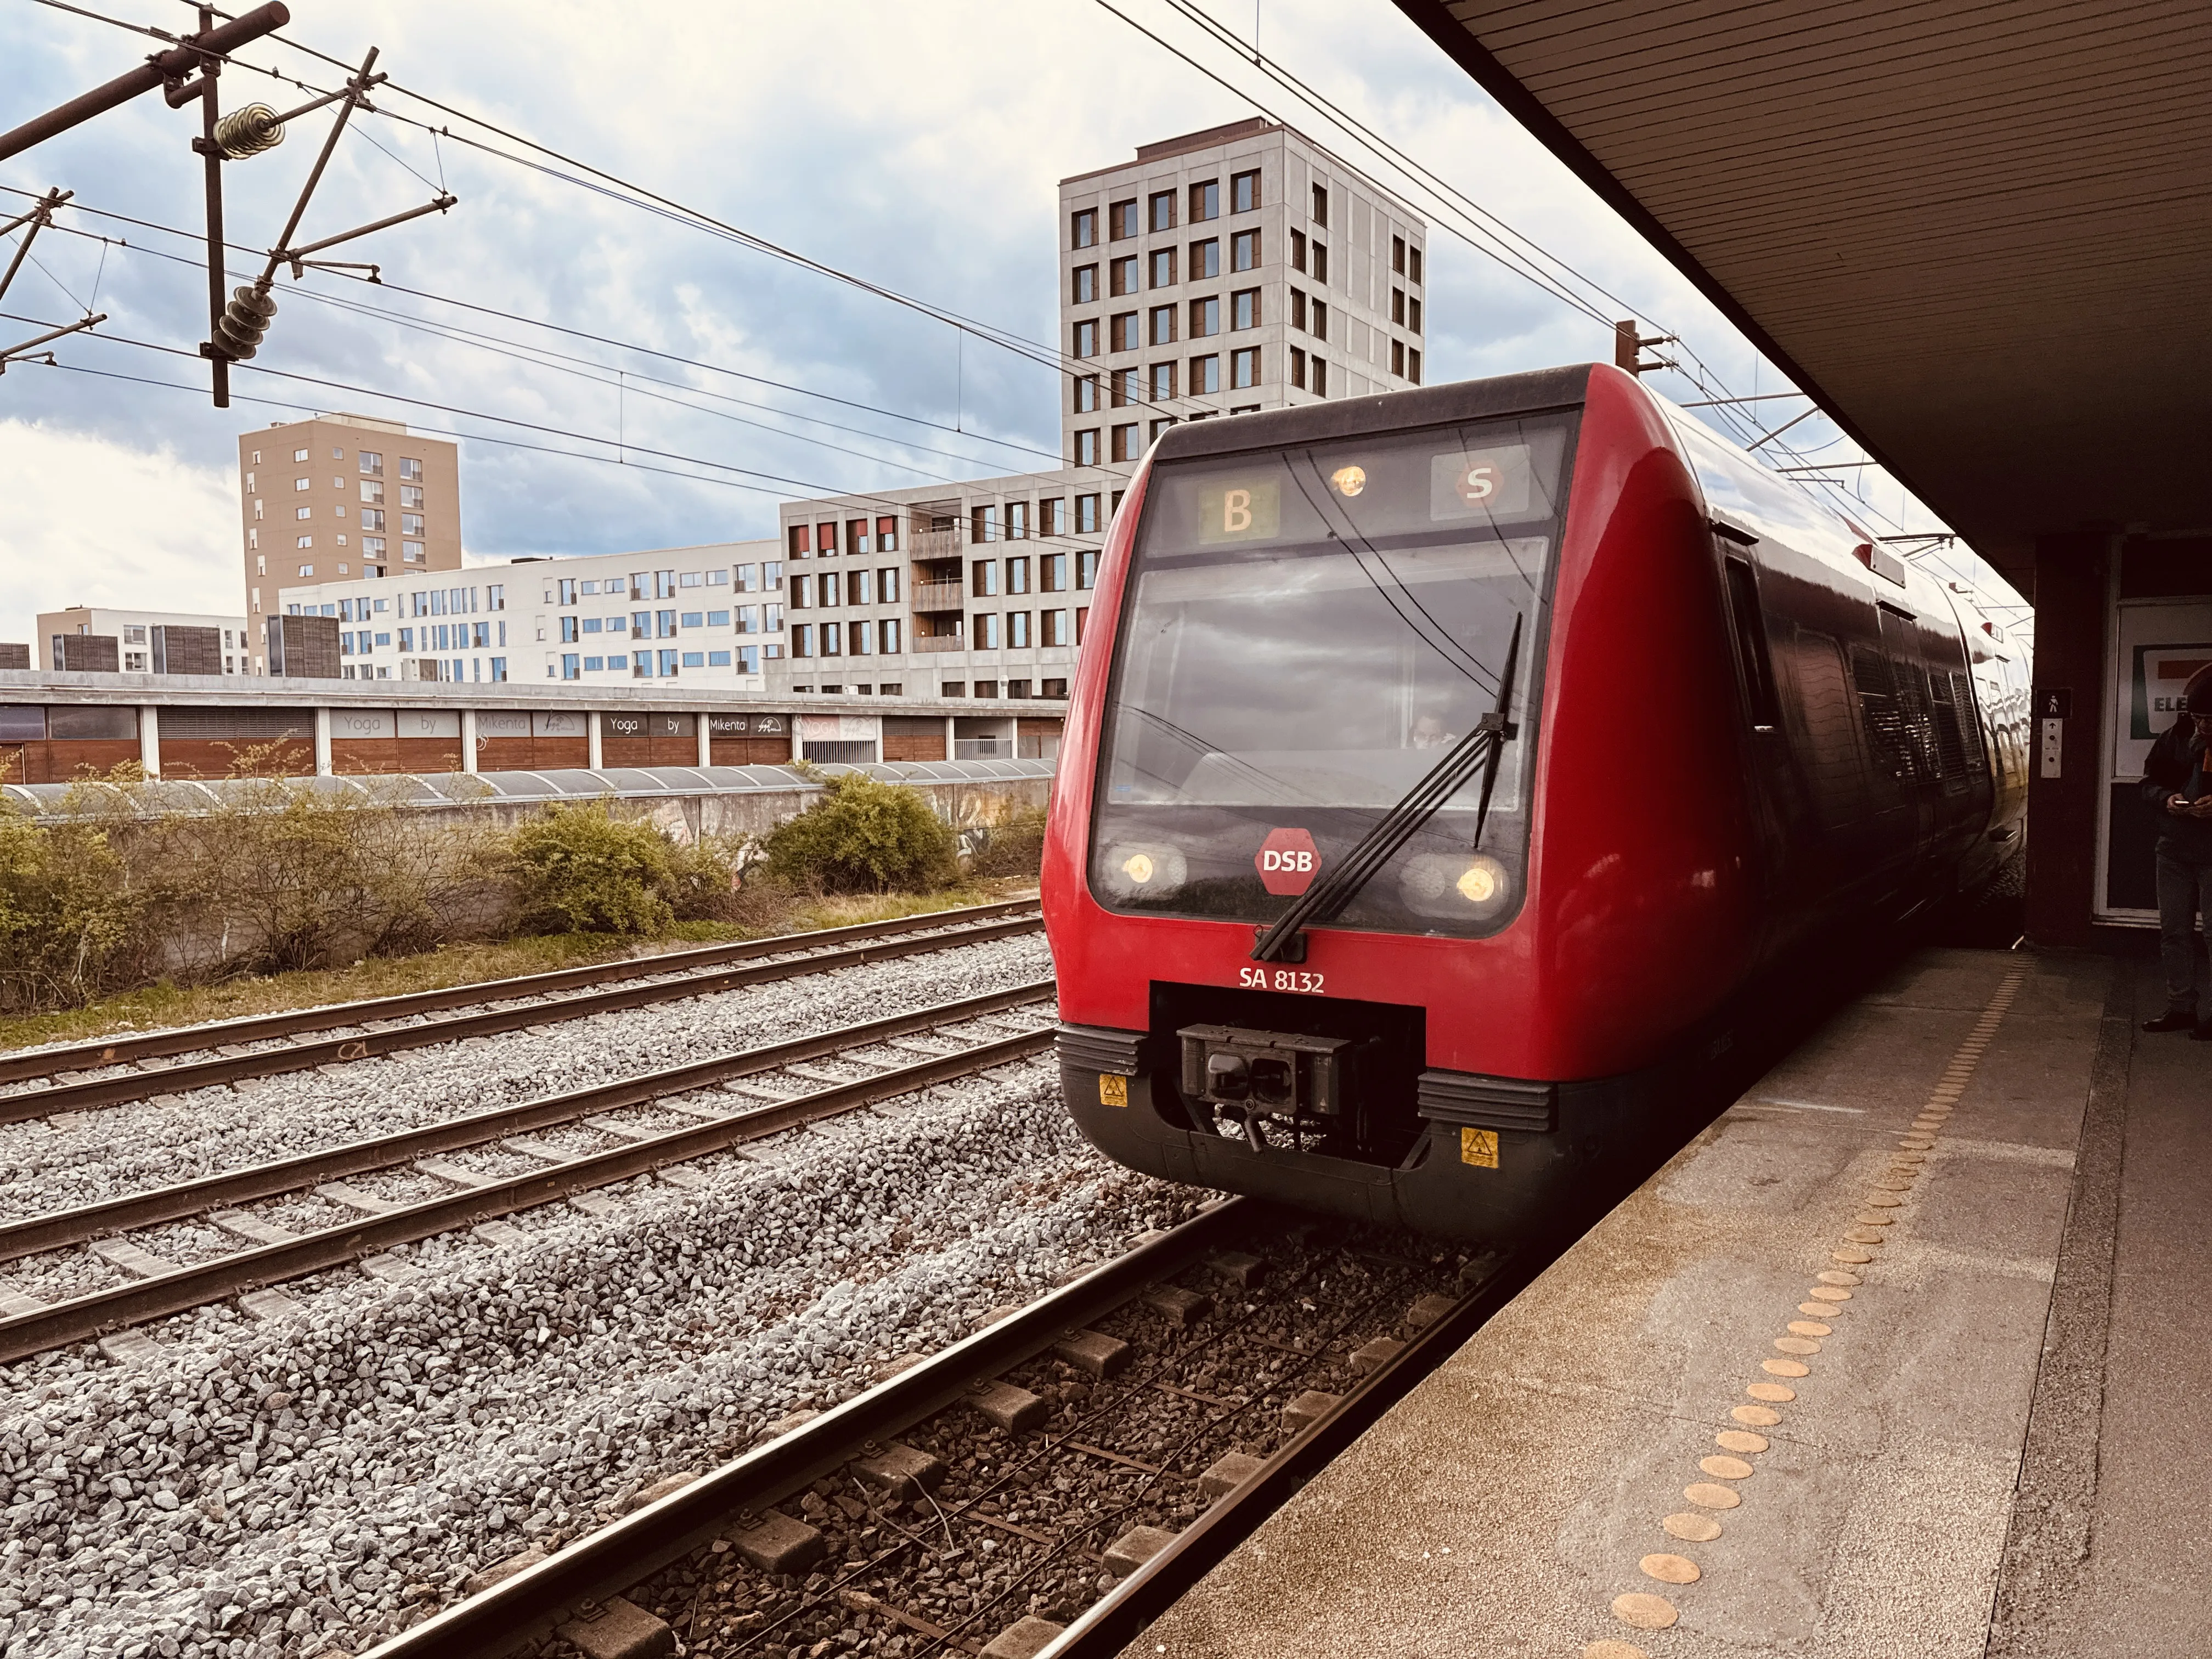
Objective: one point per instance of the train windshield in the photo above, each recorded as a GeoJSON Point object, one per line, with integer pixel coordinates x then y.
{"type": "Point", "coordinates": [1305, 633]}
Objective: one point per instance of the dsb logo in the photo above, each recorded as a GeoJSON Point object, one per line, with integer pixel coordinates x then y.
{"type": "Point", "coordinates": [1287, 861]}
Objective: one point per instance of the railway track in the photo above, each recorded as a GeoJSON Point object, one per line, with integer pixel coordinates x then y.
{"type": "Point", "coordinates": [387, 1025]}
{"type": "Point", "coordinates": [1119, 1435]}
{"type": "Point", "coordinates": [272, 1254]}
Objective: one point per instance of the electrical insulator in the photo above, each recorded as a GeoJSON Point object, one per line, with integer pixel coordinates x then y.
{"type": "Point", "coordinates": [245, 320]}
{"type": "Point", "coordinates": [248, 131]}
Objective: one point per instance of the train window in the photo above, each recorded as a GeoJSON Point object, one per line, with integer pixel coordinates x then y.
{"type": "Point", "coordinates": [1750, 646]}
{"type": "Point", "coordinates": [1894, 754]}
{"type": "Point", "coordinates": [1307, 634]}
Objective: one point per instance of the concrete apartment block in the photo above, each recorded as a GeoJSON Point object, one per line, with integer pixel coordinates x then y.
{"type": "Point", "coordinates": [1235, 270]}
{"type": "Point", "coordinates": [96, 639]}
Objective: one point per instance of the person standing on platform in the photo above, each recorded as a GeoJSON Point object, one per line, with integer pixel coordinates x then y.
{"type": "Point", "coordinates": [2178, 786]}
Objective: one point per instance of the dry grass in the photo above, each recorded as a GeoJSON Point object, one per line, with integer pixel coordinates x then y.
{"type": "Point", "coordinates": [161, 1005]}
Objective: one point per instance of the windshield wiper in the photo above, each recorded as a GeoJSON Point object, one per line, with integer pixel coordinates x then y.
{"type": "Point", "coordinates": [1326, 899]}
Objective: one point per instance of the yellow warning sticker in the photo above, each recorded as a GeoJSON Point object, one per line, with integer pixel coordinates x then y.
{"type": "Point", "coordinates": [1114, 1091]}
{"type": "Point", "coordinates": [1478, 1147]}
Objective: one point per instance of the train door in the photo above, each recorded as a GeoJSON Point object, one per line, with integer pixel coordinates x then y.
{"type": "Point", "coordinates": [1777, 804]}
{"type": "Point", "coordinates": [1920, 777]}
{"type": "Point", "coordinates": [1893, 762]}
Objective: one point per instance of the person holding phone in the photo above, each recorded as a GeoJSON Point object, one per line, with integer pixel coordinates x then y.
{"type": "Point", "coordinates": [2178, 786]}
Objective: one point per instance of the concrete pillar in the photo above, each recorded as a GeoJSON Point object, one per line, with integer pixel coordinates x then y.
{"type": "Point", "coordinates": [2073, 609]}
{"type": "Point", "coordinates": [952, 743]}
{"type": "Point", "coordinates": [705, 749]}
{"type": "Point", "coordinates": [322, 743]}
{"type": "Point", "coordinates": [468, 741]}
{"type": "Point", "coordinates": [149, 740]}
{"type": "Point", "coordinates": [591, 757]}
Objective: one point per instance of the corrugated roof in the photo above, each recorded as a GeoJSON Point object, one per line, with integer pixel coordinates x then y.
{"type": "Point", "coordinates": [1977, 235]}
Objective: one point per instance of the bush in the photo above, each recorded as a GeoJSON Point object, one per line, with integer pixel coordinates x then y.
{"type": "Point", "coordinates": [580, 869]}
{"type": "Point", "coordinates": [69, 916]}
{"type": "Point", "coordinates": [863, 837]}
{"type": "Point", "coordinates": [1012, 846]}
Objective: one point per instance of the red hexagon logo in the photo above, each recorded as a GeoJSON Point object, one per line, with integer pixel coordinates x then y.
{"type": "Point", "coordinates": [1287, 860]}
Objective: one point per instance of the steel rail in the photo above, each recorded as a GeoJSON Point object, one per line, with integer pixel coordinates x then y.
{"type": "Point", "coordinates": [608, 1562]}
{"type": "Point", "coordinates": [1117, 1619]}
{"type": "Point", "coordinates": [253, 1027]}
{"type": "Point", "coordinates": [340, 1050]}
{"type": "Point", "coordinates": [35, 1235]}
{"type": "Point", "coordinates": [83, 1317]}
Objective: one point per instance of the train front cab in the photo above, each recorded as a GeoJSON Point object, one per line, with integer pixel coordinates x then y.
{"type": "Point", "coordinates": [1486, 1067]}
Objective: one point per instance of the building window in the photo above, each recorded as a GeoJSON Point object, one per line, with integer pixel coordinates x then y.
{"type": "Point", "coordinates": [571, 665]}
{"type": "Point", "coordinates": [1398, 358]}
{"type": "Point", "coordinates": [303, 512]}
{"type": "Point", "coordinates": [1052, 572]}
{"type": "Point", "coordinates": [372, 463]}
{"type": "Point", "coordinates": [1244, 192]}
{"type": "Point", "coordinates": [1321, 204]}
{"type": "Point", "coordinates": [1205, 375]}
{"type": "Point", "coordinates": [411, 469]}
{"type": "Point", "coordinates": [411, 524]}
{"type": "Point", "coordinates": [1121, 334]}
{"type": "Point", "coordinates": [802, 639]}
{"type": "Point", "coordinates": [372, 492]}
{"type": "Point", "coordinates": [1083, 227]}
{"type": "Point", "coordinates": [410, 552]}
{"type": "Point", "coordinates": [1085, 289]}
{"type": "Point", "coordinates": [1164, 267]}
{"type": "Point", "coordinates": [1085, 344]}
{"type": "Point", "coordinates": [1320, 320]}
{"type": "Point", "coordinates": [1398, 254]}
{"type": "Point", "coordinates": [1017, 575]}
{"type": "Point", "coordinates": [1319, 376]}
{"type": "Point", "coordinates": [1413, 314]}
{"type": "Point", "coordinates": [983, 577]}
{"type": "Point", "coordinates": [1086, 569]}
{"type": "Point", "coordinates": [1163, 325]}
{"type": "Point", "coordinates": [1122, 221]}
{"type": "Point", "coordinates": [1244, 308]}
{"type": "Point", "coordinates": [304, 541]}
{"type": "Point", "coordinates": [833, 639]}
{"type": "Point", "coordinates": [1398, 306]}
{"type": "Point", "coordinates": [1017, 527]}
{"type": "Point", "coordinates": [1086, 449]}
{"type": "Point", "coordinates": [372, 518]}
{"type": "Point", "coordinates": [302, 483]}
{"type": "Point", "coordinates": [1298, 308]}
{"type": "Point", "coordinates": [1087, 515]}
{"type": "Point", "coordinates": [299, 454]}
{"type": "Point", "coordinates": [1121, 275]}
{"type": "Point", "coordinates": [1163, 382]}
{"type": "Point", "coordinates": [1205, 317]}
{"type": "Point", "coordinates": [1206, 259]}
{"type": "Point", "coordinates": [1297, 368]}
{"type": "Point", "coordinates": [1052, 627]}
{"type": "Point", "coordinates": [1244, 250]}
{"type": "Point", "coordinates": [1125, 442]}
{"type": "Point", "coordinates": [1320, 263]}
{"type": "Point", "coordinates": [1298, 250]}
{"type": "Point", "coordinates": [1413, 366]}
{"type": "Point", "coordinates": [372, 547]}
{"type": "Point", "coordinates": [983, 634]}
{"type": "Point", "coordinates": [1206, 201]}
{"type": "Point", "coordinates": [1082, 616]}
{"type": "Point", "coordinates": [1125, 388]}
{"type": "Point", "coordinates": [1159, 426]}
{"type": "Point", "coordinates": [1018, 629]}
{"type": "Point", "coordinates": [1163, 213]}
{"type": "Point", "coordinates": [1244, 367]}
{"type": "Point", "coordinates": [1413, 275]}
{"type": "Point", "coordinates": [668, 663]}
{"type": "Point", "coordinates": [983, 524]}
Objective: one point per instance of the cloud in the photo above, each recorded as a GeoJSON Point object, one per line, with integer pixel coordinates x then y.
{"type": "Point", "coordinates": [919, 147]}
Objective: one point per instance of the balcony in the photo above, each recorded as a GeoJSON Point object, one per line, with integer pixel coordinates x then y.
{"type": "Point", "coordinates": [928, 642]}
{"type": "Point", "coordinates": [937, 596]}
{"type": "Point", "coordinates": [935, 544]}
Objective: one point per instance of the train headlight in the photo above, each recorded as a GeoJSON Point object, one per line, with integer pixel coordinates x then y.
{"type": "Point", "coordinates": [1442, 885]}
{"type": "Point", "coordinates": [1133, 870]}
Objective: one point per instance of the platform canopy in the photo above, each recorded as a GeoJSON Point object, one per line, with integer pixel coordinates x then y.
{"type": "Point", "coordinates": [1977, 235]}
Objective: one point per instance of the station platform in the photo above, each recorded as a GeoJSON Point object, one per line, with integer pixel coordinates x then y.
{"type": "Point", "coordinates": [1901, 1355]}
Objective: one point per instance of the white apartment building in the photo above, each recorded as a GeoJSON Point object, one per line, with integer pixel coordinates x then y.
{"type": "Point", "coordinates": [99, 640]}
{"type": "Point", "coordinates": [1227, 271]}
{"type": "Point", "coordinates": [711, 614]}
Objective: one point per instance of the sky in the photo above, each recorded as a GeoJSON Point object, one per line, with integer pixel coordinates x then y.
{"type": "Point", "coordinates": [916, 148]}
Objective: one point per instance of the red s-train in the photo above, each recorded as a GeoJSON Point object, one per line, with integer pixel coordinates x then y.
{"type": "Point", "coordinates": [1446, 769]}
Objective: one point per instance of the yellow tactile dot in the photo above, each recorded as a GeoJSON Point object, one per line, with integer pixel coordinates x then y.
{"type": "Point", "coordinates": [1864, 1235]}
{"type": "Point", "coordinates": [1885, 1201]}
{"type": "Point", "coordinates": [1691, 1528]}
{"type": "Point", "coordinates": [1773, 1392]}
{"type": "Point", "coordinates": [1829, 1293]}
{"type": "Point", "coordinates": [1725, 1468]}
{"type": "Point", "coordinates": [1785, 1368]}
{"type": "Point", "coordinates": [1707, 1495]}
{"type": "Point", "coordinates": [1765, 1417]}
{"type": "Point", "coordinates": [1908, 1159]}
{"type": "Point", "coordinates": [1836, 1276]}
{"type": "Point", "coordinates": [1874, 1219]}
{"type": "Point", "coordinates": [1670, 1569]}
{"type": "Point", "coordinates": [1736, 1440]}
{"type": "Point", "coordinates": [1645, 1611]}
{"type": "Point", "coordinates": [1918, 1143]}
{"type": "Point", "coordinates": [1893, 1183]}
{"type": "Point", "coordinates": [1810, 1328]}
{"type": "Point", "coordinates": [1797, 1345]}
{"type": "Point", "coordinates": [1612, 1649]}
{"type": "Point", "coordinates": [1822, 1309]}
{"type": "Point", "coordinates": [1852, 1253]}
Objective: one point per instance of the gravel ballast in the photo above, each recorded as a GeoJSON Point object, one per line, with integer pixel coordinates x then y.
{"type": "Point", "coordinates": [90, 1156]}
{"type": "Point", "coordinates": [277, 1489]}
